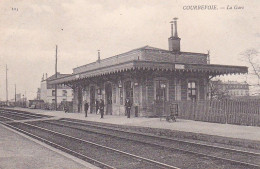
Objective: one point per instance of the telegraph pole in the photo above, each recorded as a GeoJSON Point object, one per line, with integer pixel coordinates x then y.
{"type": "Point", "coordinates": [56, 59]}
{"type": "Point", "coordinates": [24, 99]}
{"type": "Point", "coordinates": [6, 85]}
{"type": "Point", "coordinates": [15, 94]}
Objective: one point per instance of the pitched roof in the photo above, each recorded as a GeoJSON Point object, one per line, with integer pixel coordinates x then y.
{"type": "Point", "coordinates": [150, 65]}
{"type": "Point", "coordinates": [59, 75]}
{"type": "Point", "coordinates": [148, 47]}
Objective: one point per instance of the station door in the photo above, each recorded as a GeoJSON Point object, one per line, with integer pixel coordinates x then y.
{"type": "Point", "coordinates": [108, 96]}
{"type": "Point", "coordinates": [129, 94]}
{"type": "Point", "coordinates": [92, 100]}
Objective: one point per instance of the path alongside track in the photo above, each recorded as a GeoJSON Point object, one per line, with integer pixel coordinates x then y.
{"type": "Point", "coordinates": [22, 152]}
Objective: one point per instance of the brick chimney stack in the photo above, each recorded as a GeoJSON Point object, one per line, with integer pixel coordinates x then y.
{"type": "Point", "coordinates": [174, 41]}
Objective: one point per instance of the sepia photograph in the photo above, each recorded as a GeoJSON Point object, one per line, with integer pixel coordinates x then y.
{"type": "Point", "coordinates": [129, 84]}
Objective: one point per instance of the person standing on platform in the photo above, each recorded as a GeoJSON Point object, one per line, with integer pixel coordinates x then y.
{"type": "Point", "coordinates": [86, 106]}
{"type": "Point", "coordinates": [128, 106]}
{"type": "Point", "coordinates": [97, 106]}
{"type": "Point", "coordinates": [66, 109]}
{"type": "Point", "coordinates": [101, 108]}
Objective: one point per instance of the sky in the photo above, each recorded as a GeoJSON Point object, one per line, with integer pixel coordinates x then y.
{"type": "Point", "coordinates": [30, 30]}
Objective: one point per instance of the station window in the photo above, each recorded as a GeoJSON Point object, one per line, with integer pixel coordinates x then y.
{"type": "Point", "coordinates": [64, 92]}
{"type": "Point", "coordinates": [129, 90]}
{"type": "Point", "coordinates": [192, 90]}
{"type": "Point", "coordinates": [53, 92]}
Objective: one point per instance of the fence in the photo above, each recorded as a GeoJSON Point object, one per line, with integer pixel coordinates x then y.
{"type": "Point", "coordinates": [50, 106]}
{"type": "Point", "coordinates": [241, 112]}
{"type": "Point", "coordinates": [60, 107]}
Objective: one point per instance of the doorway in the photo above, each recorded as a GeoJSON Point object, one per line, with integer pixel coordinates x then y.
{"type": "Point", "coordinates": [129, 93]}
{"type": "Point", "coordinates": [108, 97]}
{"type": "Point", "coordinates": [160, 97]}
{"type": "Point", "coordinates": [92, 99]}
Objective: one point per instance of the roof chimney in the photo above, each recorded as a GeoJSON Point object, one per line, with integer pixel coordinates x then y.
{"type": "Point", "coordinates": [98, 56]}
{"type": "Point", "coordinates": [46, 76]}
{"type": "Point", "coordinates": [175, 26]}
{"type": "Point", "coordinates": [171, 28]}
{"type": "Point", "coordinates": [174, 41]}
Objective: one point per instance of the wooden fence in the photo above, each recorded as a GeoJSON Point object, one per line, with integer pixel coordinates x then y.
{"type": "Point", "coordinates": [241, 112]}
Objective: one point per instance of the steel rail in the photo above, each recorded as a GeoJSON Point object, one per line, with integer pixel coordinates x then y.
{"type": "Point", "coordinates": [179, 149]}
{"type": "Point", "coordinates": [16, 115]}
{"type": "Point", "coordinates": [105, 147]}
{"type": "Point", "coordinates": [7, 118]}
{"type": "Point", "coordinates": [166, 138]}
{"type": "Point", "coordinates": [23, 114]}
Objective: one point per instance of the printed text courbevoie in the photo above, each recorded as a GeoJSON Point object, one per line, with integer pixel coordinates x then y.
{"type": "Point", "coordinates": [200, 7]}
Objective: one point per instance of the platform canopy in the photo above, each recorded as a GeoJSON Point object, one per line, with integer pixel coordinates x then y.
{"type": "Point", "coordinates": [209, 69]}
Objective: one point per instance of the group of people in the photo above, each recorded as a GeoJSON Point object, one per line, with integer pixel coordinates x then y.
{"type": "Point", "coordinates": [100, 107]}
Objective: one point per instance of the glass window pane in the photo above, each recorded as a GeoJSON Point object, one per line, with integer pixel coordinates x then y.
{"type": "Point", "coordinates": [192, 93]}
{"type": "Point", "coordinates": [193, 85]}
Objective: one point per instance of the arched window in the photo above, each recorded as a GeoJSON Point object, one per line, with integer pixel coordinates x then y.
{"type": "Point", "coordinates": [129, 90]}
{"type": "Point", "coordinates": [92, 99]}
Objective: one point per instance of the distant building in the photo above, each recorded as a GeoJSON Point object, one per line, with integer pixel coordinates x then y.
{"type": "Point", "coordinates": [18, 97]}
{"type": "Point", "coordinates": [21, 100]}
{"type": "Point", "coordinates": [38, 97]}
{"type": "Point", "coordinates": [232, 88]}
{"type": "Point", "coordinates": [47, 91]}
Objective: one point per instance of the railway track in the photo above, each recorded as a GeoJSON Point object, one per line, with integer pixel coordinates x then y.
{"type": "Point", "coordinates": [219, 152]}
{"type": "Point", "coordinates": [116, 158]}
{"type": "Point", "coordinates": [23, 114]}
{"type": "Point", "coordinates": [160, 143]}
{"type": "Point", "coordinates": [70, 151]}
{"type": "Point", "coordinates": [127, 160]}
{"type": "Point", "coordinates": [201, 156]}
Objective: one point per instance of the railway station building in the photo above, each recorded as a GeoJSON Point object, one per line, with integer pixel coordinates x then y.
{"type": "Point", "coordinates": [146, 75]}
{"type": "Point", "coordinates": [47, 91]}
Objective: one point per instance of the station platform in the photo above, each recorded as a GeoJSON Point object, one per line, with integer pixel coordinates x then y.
{"type": "Point", "coordinates": [224, 130]}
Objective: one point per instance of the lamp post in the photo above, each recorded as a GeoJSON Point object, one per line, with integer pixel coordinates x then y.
{"type": "Point", "coordinates": [56, 66]}
{"type": "Point", "coordinates": [6, 85]}
{"type": "Point", "coordinates": [15, 95]}
{"type": "Point", "coordinates": [23, 100]}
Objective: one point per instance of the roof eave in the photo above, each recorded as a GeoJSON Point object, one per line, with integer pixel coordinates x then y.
{"type": "Point", "coordinates": [150, 65]}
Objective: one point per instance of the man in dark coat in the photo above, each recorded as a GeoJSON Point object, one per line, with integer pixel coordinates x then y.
{"type": "Point", "coordinates": [101, 107]}
{"type": "Point", "coordinates": [86, 106]}
{"type": "Point", "coordinates": [66, 108]}
{"type": "Point", "coordinates": [128, 106]}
